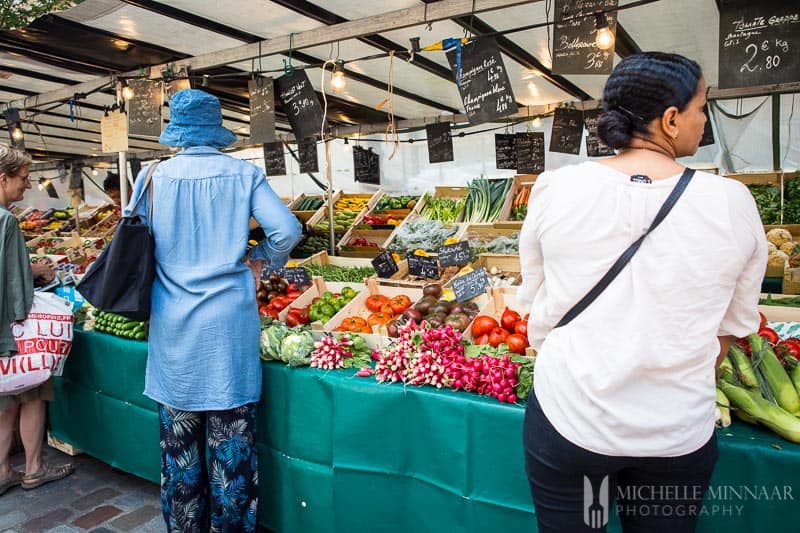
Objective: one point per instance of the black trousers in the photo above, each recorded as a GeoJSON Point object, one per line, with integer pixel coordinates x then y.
{"type": "Point", "coordinates": [575, 490]}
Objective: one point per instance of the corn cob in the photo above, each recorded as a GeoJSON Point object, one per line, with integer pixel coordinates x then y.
{"type": "Point", "coordinates": [743, 366]}
{"type": "Point", "coordinates": [724, 407]}
{"type": "Point", "coordinates": [777, 380]}
{"type": "Point", "coordinates": [767, 413]}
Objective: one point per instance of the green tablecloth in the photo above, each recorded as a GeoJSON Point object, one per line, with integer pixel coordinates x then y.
{"type": "Point", "coordinates": [346, 454]}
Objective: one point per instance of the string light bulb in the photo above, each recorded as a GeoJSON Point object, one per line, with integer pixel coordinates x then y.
{"type": "Point", "coordinates": [16, 134]}
{"type": "Point", "coordinates": [94, 172]}
{"type": "Point", "coordinates": [537, 122]}
{"type": "Point", "coordinates": [127, 92]}
{"type": "Point", "coordinates": [337, 77]}
{"type": "Point", "coordinates": [604, 40]}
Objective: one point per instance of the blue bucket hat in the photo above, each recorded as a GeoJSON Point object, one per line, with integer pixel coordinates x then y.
{"type": "Point", "coordinates": [195, 119]}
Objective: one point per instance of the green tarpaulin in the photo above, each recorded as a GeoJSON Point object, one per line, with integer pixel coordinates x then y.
{"type": "Point", "coordinates": [346, 454]}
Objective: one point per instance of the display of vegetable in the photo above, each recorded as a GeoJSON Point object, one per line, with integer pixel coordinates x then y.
{"type": "Point", "coordinates": [296, 347]}
{"type": "Point", "coordinates": [519, 209]}
{"type": "Point", "coordinates": [351, 203]}
{"type": "Point", "coordinates": [442, 209]}
{"type": "Point", "coordinates": [435, 312]}
{"type": "Point", "coordinates": [498, 245]}
{"type": "Point", "coordinates": [768, 201]}
{"type": "Point", "coordinates": [328, 304]}
{"type": "Point", "coordinates": [485, 199]}
{"type": "Point", "coordinates": [119, 325]}
{"type": "Point", "coordinates": [275, 293]}
{"type": "Point", "coordinates": [311, 244]}
{"type": "Point", "coordinates": [340, 273]}
{"type": "Point", "coordinates": [309, 204]}
{"type": "Point", "coordinates": [511, 330]}
{"type": "Point", "coordinates": [791, 201]}
{"type": "Point", "coordinates": [421, 234]}
{"type": "Point", "coordinates": [783, 302]}
{"type": "Point", "coordinates": [396, 202]}
{"type": "Point", "coordinates": [378, 310]}
{"type": "Point", "coordinates": [342, 220]}
{"type": "Point", "coordinates": [340, 350]}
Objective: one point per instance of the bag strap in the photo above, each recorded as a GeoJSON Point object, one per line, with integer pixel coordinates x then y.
{"type": "Point", "coordinates": [147, 189]}
{"type": "Point", "coordinates": [626, 256]}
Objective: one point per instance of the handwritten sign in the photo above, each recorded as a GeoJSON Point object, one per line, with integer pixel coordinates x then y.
{"type": "Point", "coordinates": [274, 159]}
{"type": "Point", "coordinates": [484, 85]}
{"type": "Point", "coordinates": [291, 275]}
{"type": "Point", "coordinates": [594, 146]}
{"type": "Point", "coordinates": [454, 254]}
{"type": "Point", "coordinates": [759, 42]}
{"type": "Point", "coordinates": [470, 285]}
{"type": "Point", "coordinates": [567, 131]}
{"type": "Point", "coordinates": [574, 48]}
{"type": "Point", "coordinates": [307, 153]}
{"type": "Point", "coordinates": [262, 110]}
{"type": "Point", "coordinates": [144, 109]}
{"type": "Point", "coordinates": [440, 142]}
{"type": "Point", "coordinates": [114, 132]}
{"type": "Point", "coordinates": [505, 155]}
{"type": "Point", "coordinates": [529, 148]}
{"type": "Point", "coordinates": [300, 103]}
{"type": "Point", "coordinates": [385, 265]}
{"type": "Point", "coordinates": [366, 165]}
{"type": "Point", "coordinates": [423, 267]}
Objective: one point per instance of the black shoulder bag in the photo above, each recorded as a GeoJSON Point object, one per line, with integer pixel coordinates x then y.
{"type": "Point", "coordinates": [626, 256]}
{"type": "Point", "coordinates": [121, 278]}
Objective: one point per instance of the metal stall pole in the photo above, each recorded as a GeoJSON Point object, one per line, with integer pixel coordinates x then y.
{"type": "Point", "coordinates": [328, 175]}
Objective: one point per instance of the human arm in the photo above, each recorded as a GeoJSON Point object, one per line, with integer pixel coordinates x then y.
{"type": "Point", "coordinates": [725, 342]}
{"type": "Point", "coordinates": [43, 271]}
{"type": "Point", "coordinates": [281, 228]}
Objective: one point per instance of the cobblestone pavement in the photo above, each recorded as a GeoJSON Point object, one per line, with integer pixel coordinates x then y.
{"type": "Point", "coordinates": [96, 498]}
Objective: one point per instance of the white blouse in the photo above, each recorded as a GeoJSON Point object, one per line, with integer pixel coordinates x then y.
{"type": "Point", "coordinates": [633, 375]}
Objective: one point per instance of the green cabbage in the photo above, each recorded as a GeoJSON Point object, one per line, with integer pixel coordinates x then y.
{"type": "Point", "coordinates": [296, 348]}
{"type": "Point", "coordinates": [271, 338]}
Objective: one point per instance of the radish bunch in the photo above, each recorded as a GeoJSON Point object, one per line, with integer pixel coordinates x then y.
{"type": "Point", "coordinates": [329, 354]}
{"type": "Point", "coordinates": [437, 349]}
{"type": "Point", "coordinates": [393, 361]}
{"type": "Point", "coordinates": [486, 375]}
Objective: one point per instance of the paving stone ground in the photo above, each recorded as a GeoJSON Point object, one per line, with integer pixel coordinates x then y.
{"type": "Point", "coordinates": [96, 498]}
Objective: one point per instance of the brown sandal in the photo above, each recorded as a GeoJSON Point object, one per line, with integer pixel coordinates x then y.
{"type": "Point", "coordinates": [12, 480]}
{"type": "Point", "coordinates": [46, 474]}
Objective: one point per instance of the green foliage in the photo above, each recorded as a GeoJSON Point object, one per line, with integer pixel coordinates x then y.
{"type": "Point", "coordinates": [20, 13]}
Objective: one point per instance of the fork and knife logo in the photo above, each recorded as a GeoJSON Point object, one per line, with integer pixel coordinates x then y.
{"type": "Point", "coordinates": [595, 510]}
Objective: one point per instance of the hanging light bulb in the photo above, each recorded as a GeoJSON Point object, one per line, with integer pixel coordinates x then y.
{"type": "Point", "coordinates": [127, 92]}
{"type": "Point", "coordinates": [94, 172]}
{"type": "Point", "coordinates": [337, 77]}
{"type": "Point", "coordinates": [16, 133]}
{"type": "Point", "coordinates": [537, 122]}
{"type": "Point", "coordinates": [604, 40]}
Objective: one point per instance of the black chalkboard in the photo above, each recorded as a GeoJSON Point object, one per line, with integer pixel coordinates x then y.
{"type": "Point", "coordinates": [708, 131]}
{"type": "Point", "coordinates": [759, 42]}
{"type": "Point", "coordinates": [366, 165]}
{"type": "Point", "coordinates": [454, 254]}
{"type": "Point", "coordinates": [529, 148]}
{"type": "Point", "coordinates": [385, 265]}
{"type": "Point", "coordinates": [594, 146]}
{"type": "Point", "coordinates": [440, 142]}
{"type": "Point", "coordinates": [574, 49]}
{"type": "Point", "coordinates": [300, 103]}
{"type": "Point", "coordinates": [291, 275]}
{"type": "Point", "coordinates": [505, 155]}
{"type": "Point", "coordinates": [144, 109]}
{"type": "Point", "coordinates": [567, 131]}
{"type": "Point", "coordinates": [470, 285]}
{"type": "Point", "coordinates": [262, 110]}
{"type": "Point", "coordinates": [484, 85]}
{"type": "Point", "coordinates": [274, 159]}
{"type": "Point", "coordinates": [423, 267]}
{"type": "Point", "coordinates": [307, 153]}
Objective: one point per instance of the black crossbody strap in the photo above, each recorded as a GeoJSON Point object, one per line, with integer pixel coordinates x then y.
{"type": "Point", "coordinates": [146, 189]}
{"type": "Point", "coordinates": [626, 256]}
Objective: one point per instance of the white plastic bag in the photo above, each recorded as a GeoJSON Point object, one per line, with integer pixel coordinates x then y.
{"type": "Point", "coordinates": [43, 341]}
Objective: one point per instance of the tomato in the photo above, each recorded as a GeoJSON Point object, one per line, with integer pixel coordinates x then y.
{"type": "Point", "coordinates": [353, 323]}
{"type": "Point", "coordinates": [517, 343]}
{"type": "Point", "coordinates": [292, 320]}
{"type": "Point", "coordinates": [378, 319]}
{"type": "Point", "coordinates": [770, 334]}
{"type": "Point", "coordinates": [400, 303]}
{"type": "Point", "coordinates": [497, 336]}
{"type": "Point", "coordinates": [483, 339]}
{"type": "Point", "coordinates": [509, 319]}
{"type": "Point", "coordinates": [273, 313]}
{"type": "Point", "coordinates": [763, 322]}
{"type": "Point", "coordinates": [375, 301]}
{"type": "Point", "coordinates": [279, 302]}
{"type": "Point", "coordinates": [744, 345]}
{"type": "Point", "coordinates": [522, 328]}
{"type": "Point", "coordinates": [482, 325]}
{"type": "Point", "coordinates": [264, 310]}
{"type": "Point", "coordinates": [293, 294]}
{"type": "Point", "coordinates": [386, 309]}
{"type": "Point", "coordinates": [787, 348]}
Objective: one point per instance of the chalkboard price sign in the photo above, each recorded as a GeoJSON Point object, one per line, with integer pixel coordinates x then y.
{"type": "Point", "coordinates": [423, 267]}
{"type": "Point", "coordinates": [594, 146]}
{"type": "Point", "coordinates": [529, 148]}
{"type": "Point", "coordinates": [366, 165]}
{"type": "Point", "coordinates": [454, 254]}
{"type": "Point", "coordinates": [505, 155]}
{"type": "Point", "coordinates": [440, 142]}
{"type": "Point", "coordinates": [144, 109]}
{"type": "Point", "coordinates": [574, 48]}
{"type": "Point", "coordinates": [484, 85]}
{"type": "Point", "coordinates": [307, 153]}
{"type": "Point", "coordinates": [385, 265]}
{"type": "Point", "coordinates": [291, 275]}
{"type": "Point", "coordinates": [262, 110]}
{"type": "Point", "coordinates": [470, 285]}
{"type": "Point", "coordinates": [274, 159]}
{"type": "Point", "coordinates": [300, 103]}
{"type": "Point", "coordinates": [567, 131]}
{"type": "Point", "coordinates": [759, 42]}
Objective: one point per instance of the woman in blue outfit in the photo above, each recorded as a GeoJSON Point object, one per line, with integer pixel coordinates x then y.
{"type": "Point", "coordinates": [203, 366]}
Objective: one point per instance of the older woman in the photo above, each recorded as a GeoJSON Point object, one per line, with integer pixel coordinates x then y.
{"type": "Point", "coordinates": [16, 295]}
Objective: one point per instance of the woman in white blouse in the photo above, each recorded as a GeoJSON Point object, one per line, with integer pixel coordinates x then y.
{"type": "Point", "coordinates": [623, 409]}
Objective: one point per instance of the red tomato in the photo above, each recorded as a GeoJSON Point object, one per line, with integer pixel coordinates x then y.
{"type": "Point", "coordinates": [264, 310]}
{"type": "Point", "coordinates": [517, 343]}
{"type": "Point", "coordinates": [375, 301]}
{"type": "Point", "coordinates": [509, 319]}
{"type": "Point", "coordinates": [400, 303]}
{"type": "Point", "coordinates": [522, 328]}
{"type": "Point", "coordinates": [483, 339]}
{"type": "Point", "coordinates": [497, 337]}
{"type": "Point", "coordinates": [483, 325]}
{"type": "Point", "coordinates": [744, 345]}
{"type": "Point", "coordinates": [770, 334]}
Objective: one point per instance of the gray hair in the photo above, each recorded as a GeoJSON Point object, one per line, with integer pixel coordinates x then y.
{"type": "Point", "coordinates": [12, 160]}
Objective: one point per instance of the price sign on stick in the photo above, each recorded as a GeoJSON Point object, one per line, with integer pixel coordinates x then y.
{"type": "Point", "coordinates": [454, 254]}
{"type": "Point", "coordinates": [385, 265]}
{"type": "Point", "coordinates": [423, 267]}
{"type": "Point", "coordinates": [470, 285]}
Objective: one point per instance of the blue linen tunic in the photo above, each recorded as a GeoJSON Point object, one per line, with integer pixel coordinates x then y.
{"type": "Point", "coordinates": [204, 325]}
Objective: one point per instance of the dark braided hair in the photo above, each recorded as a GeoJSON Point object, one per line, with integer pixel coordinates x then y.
{"type": "Point", "coordinates": [640, 89]}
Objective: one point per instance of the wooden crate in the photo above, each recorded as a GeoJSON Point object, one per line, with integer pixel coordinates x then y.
{"type": "Point", "coordinates": [487, 233]}
{"type": "Point", "coordinates": [62, 446]}
{"type": "Point", "coordinates": [306, 216]}
{"type": "Point", "coordinates": [496, 303]}
{"type": "Point", "coordinates": [442, 192]}
{"type": "Point", "coordinates": [372, 198]}
{"type": "Point", "coordinates": [503, 263]}
{"type": "Point", "coordinates": [377, 236]}
{"type": "Point", "coordinates": [323, 258]}
{"type": "Point", "coordinates": [520, 181]}
{"type": "Point", "coordinates": [318, 286]}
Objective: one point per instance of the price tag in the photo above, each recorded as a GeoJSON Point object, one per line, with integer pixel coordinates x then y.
{"type": "Point", "coordinates": [385, 265]}
{"type": "Point", "coordinates": [423, 267]}
{"type": "Point", "coordinates": [470, 285]}
{"type": "Point", "coordinates": [291, 275]}
{"type": "Point", "coordinates": [454, 254]}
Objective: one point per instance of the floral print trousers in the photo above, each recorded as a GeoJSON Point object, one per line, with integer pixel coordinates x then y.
{"type": "Point", "coordinates": [223, 496]}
